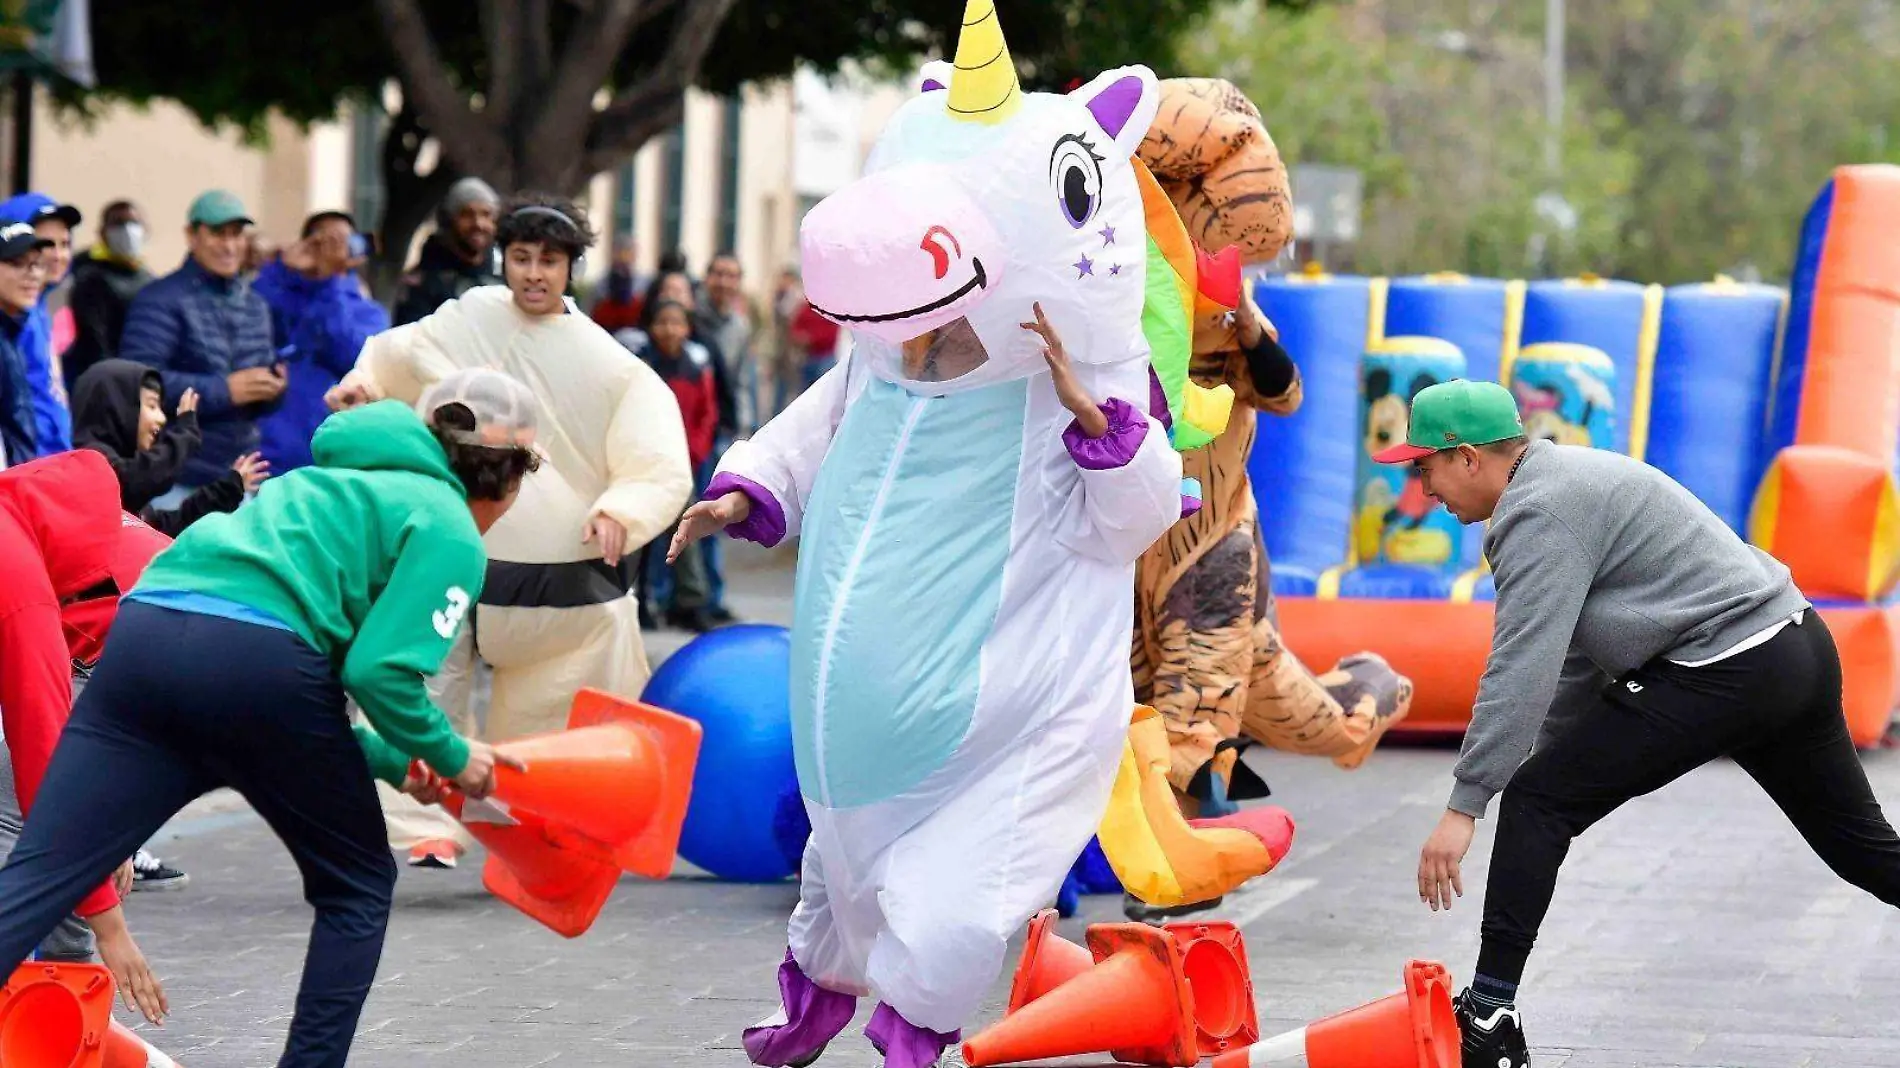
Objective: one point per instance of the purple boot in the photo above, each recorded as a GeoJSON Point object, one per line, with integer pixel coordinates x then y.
{"type": "Point", "coordinates": [904, 1044]}
{"type": "Point", "coordinates": [810, 1017]}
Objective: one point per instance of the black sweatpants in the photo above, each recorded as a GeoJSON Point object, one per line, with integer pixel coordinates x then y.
{"type": "Point", "coordinates": [180, 704]}
{"type": "Point", "coordinates": [1776, 709]}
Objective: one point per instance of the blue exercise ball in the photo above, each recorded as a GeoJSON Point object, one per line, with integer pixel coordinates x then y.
{"type": "Point", "coordinates": [746, 821]}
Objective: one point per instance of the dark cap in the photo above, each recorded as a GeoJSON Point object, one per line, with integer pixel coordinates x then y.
{"type": "Point", "coordinates": [17, 239]}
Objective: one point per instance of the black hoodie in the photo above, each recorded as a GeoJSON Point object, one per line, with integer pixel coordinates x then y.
{"type": "Point", "coordinates": [106, 419]}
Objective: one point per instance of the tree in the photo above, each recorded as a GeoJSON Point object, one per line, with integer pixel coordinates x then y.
{"type": "Point", "coordinates": [1695, 132]}
{"type": "Point", "coordinates": [548, 93]}
{"type": "Point", "coordinates": [1442, 118]}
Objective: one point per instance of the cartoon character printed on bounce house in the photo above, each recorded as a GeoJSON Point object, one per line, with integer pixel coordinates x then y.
{"type": "Point", "coordinates": [1397, 520]}
{"type": "Point", "coordinates": [1566, 394]}
{"type": "Point", "coordinates": [961, 696]}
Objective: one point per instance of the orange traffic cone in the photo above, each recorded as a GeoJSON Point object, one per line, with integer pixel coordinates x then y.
{"type": "Point", "coordinates": [127, 1050]}
{"type": "Point", "coordinates": [1214, 959]}
{"type": "Point", "coordinates": [620, 774]}
{"type": "Point", "coordinates": [1416, 1028]}
{"type": "Point", "coordinates": [562, 881]}
{"type": "Point", "coordinates": [1048, 961]}
{"type": "Point", "coordinates": [55, 1015]}
{"type": "Point", "coordinates": [1133, 1004]}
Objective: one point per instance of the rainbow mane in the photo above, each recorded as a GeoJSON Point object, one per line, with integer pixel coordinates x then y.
{"type": "Point", "coordinates": [1183, 283]}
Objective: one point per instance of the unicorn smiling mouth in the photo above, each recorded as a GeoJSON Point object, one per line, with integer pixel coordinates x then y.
{"type": "Point", "coordinates": [977, 281]}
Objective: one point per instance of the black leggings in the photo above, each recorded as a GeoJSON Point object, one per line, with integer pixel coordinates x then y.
{"type": "Point", "coordinates": [1776, 709]}
{"type": "Point", "coordinates": [181, 704]}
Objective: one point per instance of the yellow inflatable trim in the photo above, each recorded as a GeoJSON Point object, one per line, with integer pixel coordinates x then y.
{"type": "Point", "coordinates": [1156, 854]}
{"type": "Point", "coordinates": [1207, 409]}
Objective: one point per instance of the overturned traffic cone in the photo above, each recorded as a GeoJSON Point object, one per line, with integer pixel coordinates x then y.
{"type": "Point", "coordinates": [1134, 1004]}
{"type": "Point", "coordinates": [123, 1049]}
{"type": "Point", "coordinates": [1048, 961]}
{"type": "Point", "coordinates": [55, 1015]}
{"type": "Point", "coordinates": [560, 880]}
{"type": "Point", "coordinates": [1214, 959]}
{"type": "Point", "coordinates": [607, 794]}
{"type": "Point", "coordinates": [1416, 1028]}
{"type": "Point", "coordinates": [620, 774]}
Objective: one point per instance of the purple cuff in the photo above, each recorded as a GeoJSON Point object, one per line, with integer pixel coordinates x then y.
{"type": "Point", "coordinates": [1126, 431]}
{"type": "Point", "coordinates": [766, 523]}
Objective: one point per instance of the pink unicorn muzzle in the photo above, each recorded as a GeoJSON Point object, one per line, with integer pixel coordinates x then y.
{"type": "Point", "coordinates": [899, 253]}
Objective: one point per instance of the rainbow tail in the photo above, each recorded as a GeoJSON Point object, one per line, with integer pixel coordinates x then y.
{"type": "Point", "coordinates": [1162, 858]}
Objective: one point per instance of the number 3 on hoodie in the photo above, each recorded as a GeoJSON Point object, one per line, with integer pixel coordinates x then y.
{"type": "Point", "coordinates": [447, 619]}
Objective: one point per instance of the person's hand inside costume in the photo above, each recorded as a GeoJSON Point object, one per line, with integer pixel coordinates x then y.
{"type": "Point", "coordinates": [606, 531]}
{"type": "Point", "coordinates": [707, 517]}
{"type": "Point", "coordinates": [1088, 414]}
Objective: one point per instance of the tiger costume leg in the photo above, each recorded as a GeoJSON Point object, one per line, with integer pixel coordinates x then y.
{"type": "Point", "coordinates": [1195, 654]}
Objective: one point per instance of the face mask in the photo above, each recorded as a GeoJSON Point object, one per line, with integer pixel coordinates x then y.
{"type": "Point", "coordinates": [126, 240]}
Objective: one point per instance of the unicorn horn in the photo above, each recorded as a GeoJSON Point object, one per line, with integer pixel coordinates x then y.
{"type": "Point", "coordinates": [984, 87]}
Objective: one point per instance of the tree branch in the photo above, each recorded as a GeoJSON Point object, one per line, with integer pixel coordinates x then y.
{"type": "Point", "coordinates": [650, 10]}
{"type": "Point", "coordinates": [501, 28]}
{"type": "Point", "coordinates": [587, 61]}
{"type": "Point", "coordinates": [611, 143]}
{"type": "Point", "coordinates": [617, 124]}
{"type": "Point", "coordinates": [438, 103]}
{"type": "Point", "coordinates": [537, 48]}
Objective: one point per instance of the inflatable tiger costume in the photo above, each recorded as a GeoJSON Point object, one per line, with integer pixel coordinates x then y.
{"type": "Point", "coordinates": [1207, 650]}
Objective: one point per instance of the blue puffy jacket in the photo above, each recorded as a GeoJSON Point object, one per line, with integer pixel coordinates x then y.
{"type": "Point", "coordinates": [196, 328]}
{"type": "Point", "coordinates": [52, 420]}
{"type": "Point", "coordinates": [318, 328]}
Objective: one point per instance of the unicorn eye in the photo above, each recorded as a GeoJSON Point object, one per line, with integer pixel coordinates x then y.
{"type": "Point", "coordinates": [1076, 174]}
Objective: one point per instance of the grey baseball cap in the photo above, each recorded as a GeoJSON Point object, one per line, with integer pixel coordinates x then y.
{"type": "Point", "coordinates": [504, 410]}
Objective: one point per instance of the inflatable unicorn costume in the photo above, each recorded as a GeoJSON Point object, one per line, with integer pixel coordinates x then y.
{"type": "Point", "coordinates": [961, 691]}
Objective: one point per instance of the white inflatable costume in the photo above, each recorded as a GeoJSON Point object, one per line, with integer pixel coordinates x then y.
{"type": "Point", "coordinates": [553, 617]}
{"type": "Point", "coordinates": [961, 689]}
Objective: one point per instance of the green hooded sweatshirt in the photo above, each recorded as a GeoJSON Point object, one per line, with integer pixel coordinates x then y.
{"type": "Point", "coordinates": [370, 556]}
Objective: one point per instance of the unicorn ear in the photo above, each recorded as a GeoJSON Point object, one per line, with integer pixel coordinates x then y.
{"type": "Point", "coordinates": [935, 76]}
{"type": "Point", "coordinates": [1124, 102]}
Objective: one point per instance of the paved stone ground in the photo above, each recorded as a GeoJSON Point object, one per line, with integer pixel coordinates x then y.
{"type": "Point", "coordinates": [1692, 929]}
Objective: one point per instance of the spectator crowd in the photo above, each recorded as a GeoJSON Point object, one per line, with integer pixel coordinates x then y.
{"type": "Point", "coordinates": [199, 383]}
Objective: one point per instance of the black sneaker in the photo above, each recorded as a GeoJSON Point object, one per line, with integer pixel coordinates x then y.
{"type": "Point", "coordinates": [1140, 911]}
{"type": "Point", "coordinates": [1493, 1038]}
{"type": "Point", "coordinates": [151, 873]}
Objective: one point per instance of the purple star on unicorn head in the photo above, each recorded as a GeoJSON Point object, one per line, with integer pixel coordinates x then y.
{"type": "Point", "coordinates": [1084, 266]}
{"type": "Point", "coordinates": [1108, 235]}
{"type": "Point", "coordinates": [1114, 269]}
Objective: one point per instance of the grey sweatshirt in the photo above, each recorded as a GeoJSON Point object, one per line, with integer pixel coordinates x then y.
{"type": "Point", "coordinates": [1602, 563]}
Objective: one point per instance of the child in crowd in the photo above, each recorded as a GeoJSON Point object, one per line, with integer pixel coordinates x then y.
{"type": "Point", "coordinates": [687, 368]}
{"type": "Point", "coordinates": [118, 411]}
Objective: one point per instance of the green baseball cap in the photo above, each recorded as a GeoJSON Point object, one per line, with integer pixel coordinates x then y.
{"type": "Point", "coordinates": [216, 207]}
{"type": "Point", "coordinates": [1454, 413]}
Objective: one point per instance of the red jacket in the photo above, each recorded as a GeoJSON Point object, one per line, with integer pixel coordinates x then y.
{"type": "Point", "coordinates": [690, 376]}
{"type": "Point", "coordinates": [62, 533]}
{"type": "Point", "coordinates": [614, 316]}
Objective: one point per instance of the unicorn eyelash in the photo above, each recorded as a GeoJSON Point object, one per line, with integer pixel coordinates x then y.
{"type": "Point", "coordinates": [1075, 139]}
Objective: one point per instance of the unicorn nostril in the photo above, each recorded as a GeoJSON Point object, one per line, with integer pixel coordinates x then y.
{"type": "Point", "coordinates": [941, 243]}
